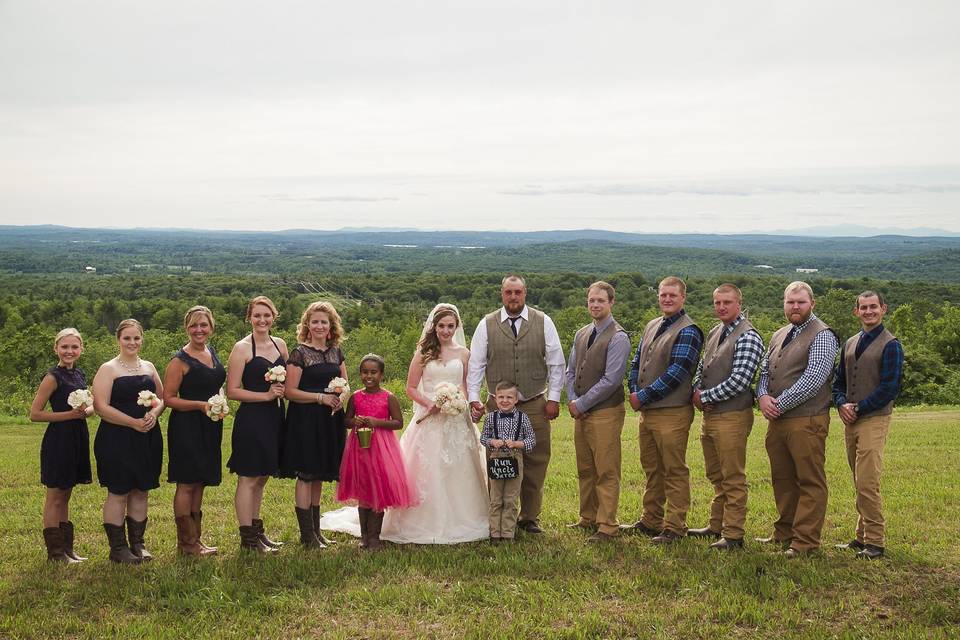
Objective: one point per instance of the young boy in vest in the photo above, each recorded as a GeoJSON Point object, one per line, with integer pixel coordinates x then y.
{"type": "Point", "coordinates": [507, 433]}
{"type": "Point", "coordinates": [867, 383]}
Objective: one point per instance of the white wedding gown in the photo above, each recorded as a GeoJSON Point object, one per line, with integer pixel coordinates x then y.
{"type": "Point", "coordinates": [446, 466]}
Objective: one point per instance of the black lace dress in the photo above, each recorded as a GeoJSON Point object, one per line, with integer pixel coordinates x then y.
{"type": "Point", "coordinates": [193, 439]}
{"type": "Point", "coordinates": [128, 459]}
{"type": "Point", "coordinates": [258, 428]}
{"type": "Point", "coordinates": [65, 450]}
{"type": "Point", "coordinates": [315, 437]}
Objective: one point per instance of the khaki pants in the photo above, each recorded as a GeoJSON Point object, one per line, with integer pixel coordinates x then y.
{"type": "Point", "coordinates": [596, 439]}
{"type": "Point", "coordinates": [724, 439]}
{"type": "Point", "coordinates": [865, 441]}
{"type": "Point", "coordinates": [663, 456]}
{"type": "Point", "coordinates": [503, 499]}
{"type": "Point", "coordinates": [534, 462]}
{"type": "Point", "coordinates": [797, 450]}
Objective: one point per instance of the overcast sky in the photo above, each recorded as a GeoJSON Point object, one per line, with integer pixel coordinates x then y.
{"type": "Point", "coordinates": [635, 116]}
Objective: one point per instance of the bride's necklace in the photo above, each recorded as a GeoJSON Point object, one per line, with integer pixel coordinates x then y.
{"type": "Point", "coordinates": [128, 368]}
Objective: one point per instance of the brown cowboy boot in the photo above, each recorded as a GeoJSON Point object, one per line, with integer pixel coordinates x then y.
{"type": "Point", "coordinates": [374, 523]}
{"type": "Point", "coordinates": [258, 524]}
{"type": "Point", "coordinates": [207, 549]}
{"type": "Point", "coordinates": [250, 540]}
{"type": "Point", "coordinates": [308, 538]}
{"type": "Point", "coordinates": [315, 512]}
{"type": "Point", "coordinates": [119, 549]}
{"type": "Point", "coordinates": [135, 531]}
{"type": "Point", "coordinates": [187, 539]}
{"type": "Point", "coordinates": [67, 528]}
{"type": "Point", "coordinates": [53, 539]}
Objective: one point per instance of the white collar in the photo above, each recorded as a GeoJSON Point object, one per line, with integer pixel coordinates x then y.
{"type": "Point", "coordinates": [504, 315]}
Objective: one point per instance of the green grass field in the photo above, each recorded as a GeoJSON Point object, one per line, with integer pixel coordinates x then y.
{"type": "Point", "coordinates": [550, 586]}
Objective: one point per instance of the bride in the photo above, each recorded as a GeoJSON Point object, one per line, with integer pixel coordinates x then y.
{"type": "Point", "coordinates": [442, 453]}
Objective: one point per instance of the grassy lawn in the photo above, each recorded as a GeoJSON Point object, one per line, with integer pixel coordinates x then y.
{"type": "Point", "coordinates": [551, 586]}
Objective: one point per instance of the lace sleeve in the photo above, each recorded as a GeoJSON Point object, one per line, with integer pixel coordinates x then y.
{"type": "Point", "coordinates": [296, 357]}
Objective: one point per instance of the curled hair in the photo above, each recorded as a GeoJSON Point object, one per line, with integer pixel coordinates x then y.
{"type": "Point", "coordinates": [673, 281]}
{"type": "Point", "coordinates": [798, 285]}
{"type": "Point", "coordinates": [321, 306]}
{"type": "Point", "coordinates": [265, 301]}
{"type": "Point", "coordinates": [429, 345]}
{"type": "Point", "coordinates": [129, 322]}
{"type": "Point", "coordinates": [199, 310]}
{"type": "Point", "coordinates": [372, 357]}
{"type": "Point", "coordinates": [69, 331]}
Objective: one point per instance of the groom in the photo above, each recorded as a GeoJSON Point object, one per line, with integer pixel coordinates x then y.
{"type": "Point", "coordinates": [520, 345]}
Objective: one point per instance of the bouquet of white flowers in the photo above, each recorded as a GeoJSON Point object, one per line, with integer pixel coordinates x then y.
{"type": "Point", "coordinates": [449, 399]}
{"type": "Point", "coordinates": [148, 399]}
{"type": "Point", "coordinates": [218, 407]}
{"type": "Point", "coordinates": [275, 374]}
{"type": "Point", "coordinates": [80, 398]}
{"type": "Point", "coordinates": [340, 386]}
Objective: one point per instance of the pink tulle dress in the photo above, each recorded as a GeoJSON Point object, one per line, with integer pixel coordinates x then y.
{"type": "Point", "coordinates": [376, 477]}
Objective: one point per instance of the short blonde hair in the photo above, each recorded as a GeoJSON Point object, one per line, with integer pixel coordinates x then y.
{"type": "Point", "coordinates": [69, 331]}
{"type": "Point", "coordinates": [265, 301]}
{"type": "Point", "coordinates": [199, 310]}
{"type": "Point", "coordinates": [798, 285]}
{"type": "Point", "coordinates": [321, 306]}
{"type": "Point", "coordinates": [729, 287]}
{"type": "Point", "coordinates": [129, 322]}
{"type": "Point", "coordinates": [673, 281]}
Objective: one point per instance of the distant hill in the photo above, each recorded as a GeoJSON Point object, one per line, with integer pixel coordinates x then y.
{"type": "Point", "coordinates": [41, 249]}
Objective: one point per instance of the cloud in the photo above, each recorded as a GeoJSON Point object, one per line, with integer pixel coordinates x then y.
{"type": "Point", "coordinates": [744, 190]}
{"type": "Point", "coordinates": [282, 197]}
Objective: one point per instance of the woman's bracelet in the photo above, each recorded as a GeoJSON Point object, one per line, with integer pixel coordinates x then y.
{"type": "Point", "coordinates": [319, 398]}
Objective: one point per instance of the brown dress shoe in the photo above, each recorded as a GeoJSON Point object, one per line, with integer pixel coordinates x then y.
{"type": "Point", "coordinates": [854, 544]}
{"type": "Point", "coordinates": [639, 528]}
{"type": "Point", "coordinates": [600, 536]}
{"type": "Point", "coordinates": [727, 544]}
{"type": "Point", "coordinates": [706, 532]}
{"type": "Point", "coordinates": [667, 537]}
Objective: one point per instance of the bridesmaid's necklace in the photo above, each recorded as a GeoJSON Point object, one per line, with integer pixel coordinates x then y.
{"type": "Point", "coordinates": [128, 368]}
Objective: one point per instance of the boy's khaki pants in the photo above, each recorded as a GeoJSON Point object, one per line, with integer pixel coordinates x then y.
{"type": "Point", "coordinates": [505, 499]}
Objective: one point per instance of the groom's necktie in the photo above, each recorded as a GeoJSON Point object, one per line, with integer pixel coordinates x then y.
{"type": "Point", "coordinates": [789, 338]}
{"type": "Point", "coordinates": [593, 336]}
{"type": "Point", "coordinates": [513, 325]}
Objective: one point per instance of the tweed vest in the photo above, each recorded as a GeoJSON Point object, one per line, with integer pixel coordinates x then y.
{"type": "Point", "coordinates": [718, 364]}
{"type": "Point", "coordinates": [785, 366]}
{"type": "Point", "coordinates": [591, 363]}
{"type": "Point", "coordinates": [863, 373]}
{"type": "Point", "coordinates": [521, 359]}
{"type": "Point", "coordinates": [655, 358]}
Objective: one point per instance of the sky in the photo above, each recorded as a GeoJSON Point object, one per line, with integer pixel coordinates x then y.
{"type": "Point", "coordinates": [631, 116]}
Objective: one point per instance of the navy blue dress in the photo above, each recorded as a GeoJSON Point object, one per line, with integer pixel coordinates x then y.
{"type": "Point", "coordinates": [126, 458]}
{"type": "Point", "coordinates": [65, 450]}
{"type": "Point", "coordinates": [315, 436]}
{"type": "Point", "coordinates": [258, 428]}
{"type": "Point", "coordinates": [193, 439]}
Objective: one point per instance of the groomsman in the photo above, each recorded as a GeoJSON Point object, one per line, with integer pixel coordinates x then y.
{"type": "Point", "coordinates": [598, 360]}
{"type": "Point", "coordinates": [722, 389]}
{"type": "Point", "coordinates": [521, 345]}
{"type": "Point", "coordinates": [867, 383]}
{"type": "Point", "coordinates": [661, 389]}
{"type": "Point", "coordinates": [794, 396]}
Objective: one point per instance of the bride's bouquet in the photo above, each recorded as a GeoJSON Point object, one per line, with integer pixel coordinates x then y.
{"type": "Point", "coordinates": [449, 399]}
{"type": "Point", "coordinates": [148, 399]}
{"type": "Point", "coordinates": [275, 374]}
{"type": "Point", "coordinates": [218, 407]}
{"type": "Point", "coordinates": [80, 398]}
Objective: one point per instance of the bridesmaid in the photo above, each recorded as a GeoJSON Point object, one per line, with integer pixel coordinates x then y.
{"type": "Point", "coordinates": [258, 428]}
{"type": "Point", "coordinates": [193, 439]}
{"type": "Point", "coordinates": [65, 451]}
{"type": "Point", "coordinates": [128, 446]}
{"type": "Point", "coordinates": [315, 427]}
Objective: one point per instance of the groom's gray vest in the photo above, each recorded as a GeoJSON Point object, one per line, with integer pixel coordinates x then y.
{"type": "Point", "coordinates": [520, 360]}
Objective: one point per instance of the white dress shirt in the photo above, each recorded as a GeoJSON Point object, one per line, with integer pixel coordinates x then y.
{"type": "Point", "coordinates": [554, 357]}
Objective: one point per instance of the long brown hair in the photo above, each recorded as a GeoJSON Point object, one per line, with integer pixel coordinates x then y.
{"type": "Point", "coordinates": [429, 345]}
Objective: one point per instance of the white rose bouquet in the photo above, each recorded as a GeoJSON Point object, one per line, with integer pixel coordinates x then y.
{"type": "Point", "coordinates": [219, 409]}
{"type": "Point", "coordinates": [449, 399]}
{"type": "Point", "coordinates": [80, 398]}
{"type": "Point", "coordinates": [339, 385]}
{"type": "Point", "coordinates": [148, 399]}
{"type": "Point", "coordinates": [275, 374]}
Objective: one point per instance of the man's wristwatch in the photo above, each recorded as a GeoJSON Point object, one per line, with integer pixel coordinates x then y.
{"type": "Point", "coordinates": [856, 409]}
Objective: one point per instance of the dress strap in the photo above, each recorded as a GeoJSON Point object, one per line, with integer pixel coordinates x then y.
{"type": "Point", "coordinates": [253, 343]}
{"type": "Point", "coordinates": [275, 346]}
